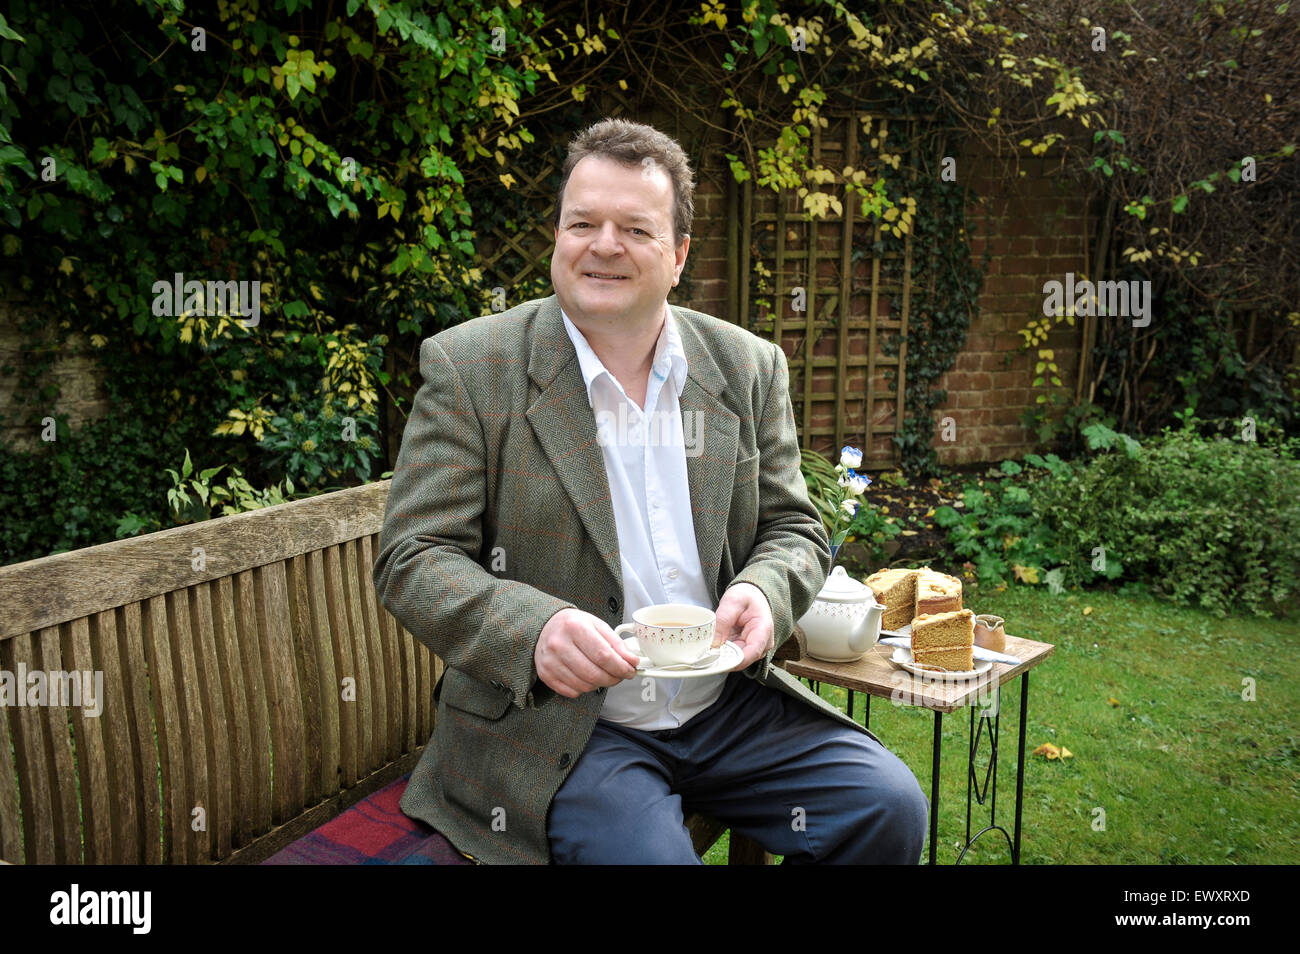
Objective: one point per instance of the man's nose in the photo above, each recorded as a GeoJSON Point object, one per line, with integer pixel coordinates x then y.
{"type": "Point", "coordinates": [607, 240]}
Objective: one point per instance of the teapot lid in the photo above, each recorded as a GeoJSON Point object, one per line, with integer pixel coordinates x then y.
{"type": "Point", "coordinates": [842, 588]}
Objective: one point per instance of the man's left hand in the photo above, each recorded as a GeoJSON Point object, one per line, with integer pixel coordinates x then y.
{"type": "Point", "coordinates": [744, 617]}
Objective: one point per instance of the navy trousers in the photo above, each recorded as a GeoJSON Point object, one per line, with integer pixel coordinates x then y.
{"type": "Point", "coordinates": [767, 765]}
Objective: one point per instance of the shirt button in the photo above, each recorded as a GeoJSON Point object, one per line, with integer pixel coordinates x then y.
{"type": "Point", "coordinates": [564, 760]}
{"type": "Point", "coordinates": [672, 573]}
{"type": "Point", "coordinates": [613, 605]}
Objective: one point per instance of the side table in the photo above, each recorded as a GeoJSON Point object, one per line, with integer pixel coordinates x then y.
{"type": "Point", "coordinates": [874, 675]}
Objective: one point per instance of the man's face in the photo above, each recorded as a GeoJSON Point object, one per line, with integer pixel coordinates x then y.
{"type": "Point", "coordinates": [615, 256]}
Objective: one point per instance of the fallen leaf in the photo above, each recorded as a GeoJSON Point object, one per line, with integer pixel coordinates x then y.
{"type": "Point", "coordinates": [1066, 753]}
{"type": "Point", "coordinates": [1048, 749]}
{"type": "Point", "coordinates": [1113, 702]}
{"type": "Point", "coordinates": [1025, 574]}
{"type": "Point", "coordinates": [1087, 610]}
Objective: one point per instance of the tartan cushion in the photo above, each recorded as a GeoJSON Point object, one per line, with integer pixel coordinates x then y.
{"type": "Point", "coordinates": [372, 832]}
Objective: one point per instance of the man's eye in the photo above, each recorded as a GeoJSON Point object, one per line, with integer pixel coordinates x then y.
{"type": "Point", "coordinates": [640, 231]}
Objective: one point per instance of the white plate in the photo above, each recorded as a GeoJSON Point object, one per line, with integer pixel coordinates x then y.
{"type": "Point", "coordinates": [903, 659]}
{"type": "Point", "coordinates": [729, 654]}
{"type": "Point", "coordinates": [904, 630]}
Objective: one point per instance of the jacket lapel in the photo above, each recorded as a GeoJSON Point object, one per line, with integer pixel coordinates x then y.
{"type": "Point", "coordinates": [565, 427]}
{"type": "Point", "coordinates": [710, 473]}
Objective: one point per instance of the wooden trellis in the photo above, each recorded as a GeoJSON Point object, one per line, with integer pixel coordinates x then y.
{"type": "Point", "coordinates": [530, 244]}
{"type": "Point", "coordinates": [844, 388]}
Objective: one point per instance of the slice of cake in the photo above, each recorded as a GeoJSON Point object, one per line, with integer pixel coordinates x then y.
{"type": "Point", "coordinates": [896, 591]}
{"type": "Point", "coordinates": [937, 593]}
{"type": "Point", "coordinates": [944, 640]}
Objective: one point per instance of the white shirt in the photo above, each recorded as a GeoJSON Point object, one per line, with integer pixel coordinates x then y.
{"type": "Point", "coordinates": [645, 461]}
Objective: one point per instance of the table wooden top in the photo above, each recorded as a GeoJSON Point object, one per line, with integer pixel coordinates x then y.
{"type": "Point", "coordinates": [876, 675]}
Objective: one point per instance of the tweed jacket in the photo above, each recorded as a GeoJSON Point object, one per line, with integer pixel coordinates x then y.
{"type": "Point", "coordinates": [499, 516]}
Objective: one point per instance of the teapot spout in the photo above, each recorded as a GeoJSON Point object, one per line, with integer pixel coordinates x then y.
{"type": "Point", "coordinates": [867, 632]}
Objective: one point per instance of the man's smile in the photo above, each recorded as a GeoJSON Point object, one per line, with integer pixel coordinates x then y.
{"type": "Point", "coordinates": [603, 275]}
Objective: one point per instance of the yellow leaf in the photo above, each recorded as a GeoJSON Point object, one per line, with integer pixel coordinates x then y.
{"type": "Point", "coordinates": [1113, 702]}
{"type": "Point", "coordinates": [1049, 750]}
{"type": "Point", "coordinates": [1087, 610]}
{"type": "Point", "coordinates": [129, 163]}
{"type": "Point", "coordinates": [1025, 574]}
{"type": "Point", "coordinates": [1066, 753]}
{"type": "Point", "coordinates": [65, 266]}
{"type": "Point", "coordinates": [200, 173]}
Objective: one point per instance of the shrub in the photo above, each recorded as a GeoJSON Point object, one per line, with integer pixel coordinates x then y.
{"type": "Point", "coordinates": [1209, 522]}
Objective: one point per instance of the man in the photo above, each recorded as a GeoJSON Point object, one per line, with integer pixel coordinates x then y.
{"type": "Point", "coordinates": [545, 491]}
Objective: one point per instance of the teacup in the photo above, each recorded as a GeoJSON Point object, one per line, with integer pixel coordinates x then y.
{"type": "Point", "coordinates": [670, 634]}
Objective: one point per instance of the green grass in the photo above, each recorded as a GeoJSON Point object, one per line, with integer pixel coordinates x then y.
{"type": "Point", "coordinates": [1186, 770]}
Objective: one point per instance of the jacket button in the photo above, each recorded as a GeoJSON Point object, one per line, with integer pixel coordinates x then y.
{"type": "Point", "coordinates": [564, 760]}
{"type": "Point", "coordinates": [613, 605]}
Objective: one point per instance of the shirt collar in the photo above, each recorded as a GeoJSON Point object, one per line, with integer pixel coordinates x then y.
{"type": "Point", "coordinates": [669, 359]}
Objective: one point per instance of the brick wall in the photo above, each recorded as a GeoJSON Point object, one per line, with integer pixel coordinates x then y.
{"type": "Point", "coordinates": [1033, 226]}
{"type": "Point", "coordinates": [81, 394]}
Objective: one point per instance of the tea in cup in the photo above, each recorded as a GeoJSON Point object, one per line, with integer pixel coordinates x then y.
{"type": "Point", "coordinates": [670, 634]}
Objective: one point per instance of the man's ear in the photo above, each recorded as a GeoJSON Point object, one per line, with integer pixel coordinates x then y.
{"type": "Point", "coordinates": [679, 255]}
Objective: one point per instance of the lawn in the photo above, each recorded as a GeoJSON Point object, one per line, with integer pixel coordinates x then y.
{"type": "Point", "coordinates": [1149, 699]}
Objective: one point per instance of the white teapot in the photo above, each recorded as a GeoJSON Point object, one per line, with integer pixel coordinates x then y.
{"type": "Point", "coordinates": [843, 622]}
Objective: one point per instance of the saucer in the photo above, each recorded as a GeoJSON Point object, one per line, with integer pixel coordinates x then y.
{"type": "Point", "coordinates": [903, 659]}
{"type": "Point", "coordinates": [726, 657]}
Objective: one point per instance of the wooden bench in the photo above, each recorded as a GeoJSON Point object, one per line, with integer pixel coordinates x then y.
{"type": "Point", "coordinates": [227, 651]}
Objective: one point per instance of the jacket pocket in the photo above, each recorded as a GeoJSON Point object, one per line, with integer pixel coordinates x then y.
{"type": "Point", "coordinates": [462, 691]}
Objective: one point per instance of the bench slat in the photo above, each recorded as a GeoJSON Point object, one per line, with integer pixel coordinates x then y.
{"type": "Point", "coordinates": [11, 837]}
{"type": "Point", "coordinates": [410, 679]}
{"type": "Point", "coordinates": [125, 831]}
{"type": "Point", "coordinates": [350, 746]}
{"type": "Point", "coordinates": [220, 730]}
{"type": "Point", "coordinates": [383, 656]}
{"type": "Point", "coordinates": [88, 730]}
{"type": "Point", "coordinates": [255, 703]}
{"type": "Point", "coordinates": [67, 814]}
{"type": "Point", "coordinates": [387, 638]}
{"type": "Point", "coordinates": [144, 743]}
{"type": "Point", "coordinates": [234, 691]}
{"type": "Point", "coordinates": [176, 791]}
{"type": "Point", "coordinates": [190, 692]}
{"type": "Point", "coordinates": [328, 689]}
{"type": "Point", "coordinates": [286, 700]}
{"type": "Point", "coordinates": [37, 774]}
{"type": "Point", "coordinates": [368, 633]}
{"type": "Point", "coordinates": [307, 662]}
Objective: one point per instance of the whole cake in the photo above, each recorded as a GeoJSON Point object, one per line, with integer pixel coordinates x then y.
{"type": "Point", "coordinates": [944, 640]}
{"type": "Point", "coordinates": [907, 593]}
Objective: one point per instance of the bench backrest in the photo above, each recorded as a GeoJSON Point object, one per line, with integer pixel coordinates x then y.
{"type": "Point", "coordinates": [248, 671]}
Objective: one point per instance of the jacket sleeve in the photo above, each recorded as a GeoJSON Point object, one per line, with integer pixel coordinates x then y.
{"type": "Point", "coordinates": [791, 554]}
{"type": "Point", "coordinates": [429, 572]}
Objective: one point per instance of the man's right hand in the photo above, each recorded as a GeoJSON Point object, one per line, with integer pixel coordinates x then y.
{"type": "Point", "coordinates": [577, 652]}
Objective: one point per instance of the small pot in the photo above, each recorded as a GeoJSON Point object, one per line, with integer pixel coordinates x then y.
{"type": "Point", "coordinates": [989, 633]}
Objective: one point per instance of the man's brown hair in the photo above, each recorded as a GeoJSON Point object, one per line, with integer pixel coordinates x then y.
{"type": "Point", "coordinates": [631, 144]}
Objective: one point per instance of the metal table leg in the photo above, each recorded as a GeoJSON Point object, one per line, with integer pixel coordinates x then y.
{"type": "Point", "coordinates": [934, 785]}
{"type": "Point", "coordinates": [1020, 764]}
